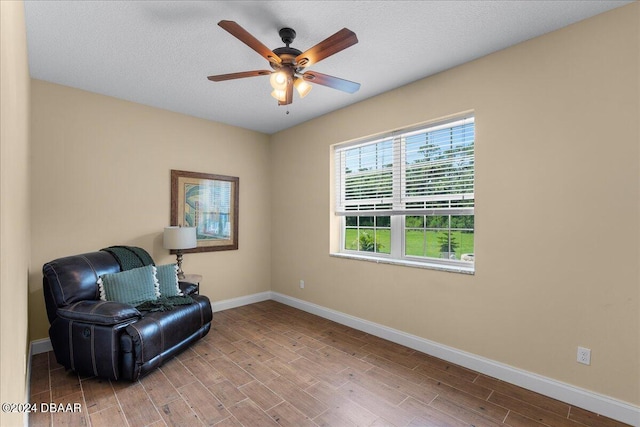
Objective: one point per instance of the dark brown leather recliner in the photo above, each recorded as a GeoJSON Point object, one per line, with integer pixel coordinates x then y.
{"type": "Point", "coordinates": [109, 339]}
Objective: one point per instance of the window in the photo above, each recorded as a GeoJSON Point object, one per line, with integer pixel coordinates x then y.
{"type": "Point", "coordinates": [408, 196]}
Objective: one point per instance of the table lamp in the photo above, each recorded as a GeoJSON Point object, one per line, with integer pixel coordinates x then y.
{"type": "Point", "coordinates": [179, 238]}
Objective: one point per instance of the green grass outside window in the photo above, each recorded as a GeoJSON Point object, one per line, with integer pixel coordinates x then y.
{"type": "Point", "coordinates": [422, 243]}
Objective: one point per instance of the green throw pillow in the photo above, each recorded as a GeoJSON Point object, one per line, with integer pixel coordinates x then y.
{"type": "Point", "coordinates": [133, 286]}
{"type": "Point", "coordinates": [168, 278]}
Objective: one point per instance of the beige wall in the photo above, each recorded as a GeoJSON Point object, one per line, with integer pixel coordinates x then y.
{"type": "Point", "coordinates": [101, 177]}
{"type": "Point", "coordinates": [557, 209]}
{"type": "Point", "coordinates": [14, 207]}
{"type": "Point", "coordinates": [557, 214]}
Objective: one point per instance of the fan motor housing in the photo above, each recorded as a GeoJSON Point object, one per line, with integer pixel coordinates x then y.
{"type": "Point", "coordinates": [287, 54]}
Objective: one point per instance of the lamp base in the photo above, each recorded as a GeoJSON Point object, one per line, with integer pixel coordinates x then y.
{"type": "Point", "coordinates": [179, 262]}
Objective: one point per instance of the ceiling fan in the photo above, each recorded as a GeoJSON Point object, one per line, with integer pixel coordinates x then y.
{"type": "Point", "coordinates": [288, 63]}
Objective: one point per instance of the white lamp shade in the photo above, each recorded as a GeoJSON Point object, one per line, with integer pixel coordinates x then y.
{"type": "Point", "coordinates": [180, 238]}
{"type": "Point", "coordinates": [302, 87]}
{"type": "Point", "coordinates": [278, 80]}
{"type": "Point", "coordinates": [280, 95]}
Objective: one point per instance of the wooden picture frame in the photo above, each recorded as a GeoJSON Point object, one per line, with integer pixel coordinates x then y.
{"type": "Point", "coordinates": [208, 202]}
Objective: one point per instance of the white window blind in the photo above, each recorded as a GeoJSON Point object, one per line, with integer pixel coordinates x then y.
{"type": "Point", "coordinates": [424, 171]}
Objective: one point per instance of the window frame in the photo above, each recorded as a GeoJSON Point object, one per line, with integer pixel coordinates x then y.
{"type": "Point", "coordinates": [398, 212]}
{"type": "Point", "coordinates": [375, 227]}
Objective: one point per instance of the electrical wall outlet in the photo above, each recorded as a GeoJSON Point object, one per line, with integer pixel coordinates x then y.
{"type": "Point", "coordinates": [301, 284]}
{"type": "Point", "coordinates": [584, 356]}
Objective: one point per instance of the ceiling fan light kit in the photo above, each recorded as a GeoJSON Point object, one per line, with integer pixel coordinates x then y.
{"type": "Point", "coordinates": [289, 63]}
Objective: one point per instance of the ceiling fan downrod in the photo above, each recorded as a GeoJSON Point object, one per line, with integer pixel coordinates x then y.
{"type": "Point", "coordinates": [287, 35]}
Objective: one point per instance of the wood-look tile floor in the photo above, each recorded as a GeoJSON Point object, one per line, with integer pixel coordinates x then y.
{"type": "Point", "coordinates": [267, 364]}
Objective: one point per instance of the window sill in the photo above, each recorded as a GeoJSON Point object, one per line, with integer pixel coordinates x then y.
{"type": "Point", "coordinates": [427, 265]}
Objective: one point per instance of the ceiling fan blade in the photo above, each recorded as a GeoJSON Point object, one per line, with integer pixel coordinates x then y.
{"type": "Point", "coordinates": [332, 45]}
{"type": "Point", "coordinates": [243, 74]}
{"type": "Point", "coordinates": [243, 35]}
{"type": "Point", "coordinates": [330, 81]}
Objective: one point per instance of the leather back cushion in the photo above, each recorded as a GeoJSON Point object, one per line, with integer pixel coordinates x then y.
{"type": "Point", "coordinates": [74, 278]}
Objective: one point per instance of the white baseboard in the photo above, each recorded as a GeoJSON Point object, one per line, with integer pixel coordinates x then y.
{"type": "Point", "coordinates": [240, 301]}
{"type": "Point", "coordinates": [591, 401]}
{"type": "Point", "coordinates": [40, 346]}
{"type": "Point", "coordinates": [573, 395]}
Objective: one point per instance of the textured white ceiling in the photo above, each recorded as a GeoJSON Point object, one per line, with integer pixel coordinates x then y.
{"type": "Point", "coordinates": [159, 53]}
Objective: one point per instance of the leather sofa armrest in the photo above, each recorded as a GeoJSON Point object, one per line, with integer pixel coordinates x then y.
{"type": "Point", "coordinates": [99, 312]}
{"type": "Point", "coordinates": [188, 288]}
